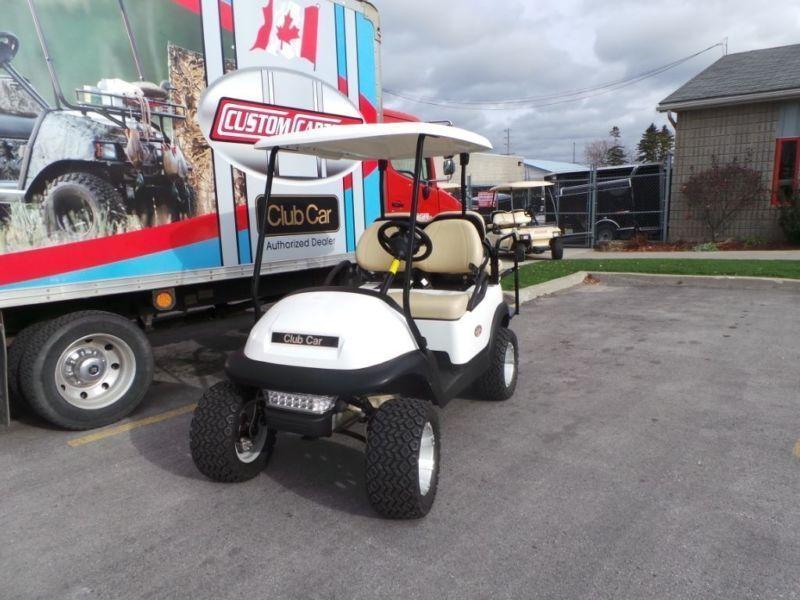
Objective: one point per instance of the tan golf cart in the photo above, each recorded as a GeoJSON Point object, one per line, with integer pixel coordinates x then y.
{"type": "Point", "coordinates": [531, 237]}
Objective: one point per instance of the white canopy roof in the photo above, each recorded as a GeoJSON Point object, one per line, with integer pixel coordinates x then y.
{"type": "Point", "coordinates": [521, 185]}
{"type": "Point", "coordinates": [379, 141]}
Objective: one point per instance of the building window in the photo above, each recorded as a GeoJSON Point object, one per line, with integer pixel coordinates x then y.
{"type": "Point", "coordinates": [787, 166]}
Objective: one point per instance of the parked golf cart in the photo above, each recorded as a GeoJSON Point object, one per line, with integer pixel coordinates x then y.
{"type": "Point", "coordinates": [416, 320]}
{"type": "Point", "coordinates": [91, 162]}
{"type": "Point", "coordinates": [531, 236]}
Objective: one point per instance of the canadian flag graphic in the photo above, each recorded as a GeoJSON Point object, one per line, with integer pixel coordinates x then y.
{"type": "Point", "coordinates": [288, 30]}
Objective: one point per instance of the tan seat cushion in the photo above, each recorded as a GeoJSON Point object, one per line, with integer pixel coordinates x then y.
{"type": "Point", "coordinates": [457, 247]}
{"type": "Point", "coordinates": [435, 304]}
{"type": "Point", "coordinates": [475, 218]}
{"type": "Point", "coordinates": [522, 218]}
{"type": "Point", "coordinates": [503, 219]}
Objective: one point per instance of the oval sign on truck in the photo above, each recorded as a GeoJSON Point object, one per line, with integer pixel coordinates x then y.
{"type": "Point", "coordinates": [240, 109]}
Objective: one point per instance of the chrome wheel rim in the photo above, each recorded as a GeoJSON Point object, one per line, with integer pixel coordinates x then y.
{"type": "Point", "coordinates": [426, 463]}
{"type": "Point", "coordinates": [95, 371]}
{"type": "Point", "coordinates": [508, 365]}
{"type": "Point", "coordinates": [252, 434]}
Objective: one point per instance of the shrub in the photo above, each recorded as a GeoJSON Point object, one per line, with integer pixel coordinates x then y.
{"type": "Point", "coordinates": [717, 195]}
{"type": "Point", "coordinates": [789, 221]}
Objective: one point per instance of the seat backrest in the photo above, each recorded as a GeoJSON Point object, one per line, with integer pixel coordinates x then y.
{"type": "Point", "coordinates": [457, 247]}
{"type": "Point", "coordinates": [475, 218]}
{"type": "Point", "coordinates": [503, 219]}
{"type": "Point", "coordinates": [369, 254]}
{"type": "Point", "coordinates": [521, 217]}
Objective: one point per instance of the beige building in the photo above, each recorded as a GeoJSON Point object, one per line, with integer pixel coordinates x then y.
{"type": "Point", "coordinates": [744, 106]}
{"type": "Point", "coordinates": [487, 170]}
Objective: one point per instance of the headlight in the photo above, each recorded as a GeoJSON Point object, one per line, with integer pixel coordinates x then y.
{"type": "Point", "coordinates": [525, 237]}
{"type": "Point", "coordinates": [105, 151]}
{"type": "Point", "coordinates": [301, 402]}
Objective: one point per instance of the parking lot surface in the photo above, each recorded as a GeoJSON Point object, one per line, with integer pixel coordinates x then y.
{"type": "Point", "coordinates": [651, 451]}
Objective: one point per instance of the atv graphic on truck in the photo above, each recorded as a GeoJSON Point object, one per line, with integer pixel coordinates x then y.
{"type": "Point", "coordinates": [92, 163]}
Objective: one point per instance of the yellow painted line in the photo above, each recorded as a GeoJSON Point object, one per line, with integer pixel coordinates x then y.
{"type": "Point", "coordinates": [797, 449]}
{"type": "Point", "coordinates": [104, 433]}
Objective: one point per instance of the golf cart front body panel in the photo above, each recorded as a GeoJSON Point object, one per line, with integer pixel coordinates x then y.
{"type": "Point", "coordinates": [368, 330]}
{"type": "Point", "coordinates": [405, 374]}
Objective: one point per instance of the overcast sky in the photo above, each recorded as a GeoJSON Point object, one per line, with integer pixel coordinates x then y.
{"type": "Point", "coordinates": [494, 50]}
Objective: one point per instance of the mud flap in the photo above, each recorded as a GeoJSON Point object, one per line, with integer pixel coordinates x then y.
{"type": "Point", "coordinates": [5, 409]}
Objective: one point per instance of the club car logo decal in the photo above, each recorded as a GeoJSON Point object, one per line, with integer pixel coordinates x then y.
{"type": "Point", "coordinates": [239, 109]}
{"type": "Point", "coordinates": [292, 215]}
{"type": "Point", "coordinates": [243, 122]}
{"type": "Point", "coordinates": [302, 339]}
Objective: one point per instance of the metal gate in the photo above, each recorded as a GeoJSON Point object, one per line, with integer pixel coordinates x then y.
{"type": "Point", "coordinates": [611, 203]}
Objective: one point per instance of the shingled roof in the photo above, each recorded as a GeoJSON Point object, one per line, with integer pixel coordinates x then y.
{"type": "Point", "coordinates": [758, 75]}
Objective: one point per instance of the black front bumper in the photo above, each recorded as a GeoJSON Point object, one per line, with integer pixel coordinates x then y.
{"type": "Point", "coordinates": [408, 374]}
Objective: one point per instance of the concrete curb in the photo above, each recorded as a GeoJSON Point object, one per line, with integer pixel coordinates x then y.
{"type": "Point", "coordinates": [531, 292]}
{"type": "Point", "coordinates": [527, 294]}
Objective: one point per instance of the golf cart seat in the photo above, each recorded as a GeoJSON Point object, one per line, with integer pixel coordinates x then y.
{"type": "Point", "coordinates": [152, 90]}
{"type": "Point", "coordinates": [503, 219]}
{"type": "Point", "coordinates": [457, 250]}
{"type": "Point", "coordinates": [521, 218]}
{"type": "Point", "coordinates": [473, 217]}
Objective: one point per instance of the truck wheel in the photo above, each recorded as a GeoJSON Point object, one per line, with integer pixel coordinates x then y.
{"type": "Point", "coordinates": [82, 205]}
{"type": "Point", "coordinates": [500, 379]}
{"type": "Point", "coordinates": [86, 369]}
{"type": "Point", "coordinates": [604, 233]}
{"type": "Point", "coordinates": [556, 248]}
{"type": "Point", "coordinates": [15, 354]}
{"type": "Point", "coordinates": [229, 438]}
{"type": "Point", "coordinates": [402, 458]}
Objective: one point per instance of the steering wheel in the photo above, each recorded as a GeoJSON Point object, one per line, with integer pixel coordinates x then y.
{"type": "Point", "coordinates": [396, 243]}
{"type": "Point", "coordinates": [9, 45]}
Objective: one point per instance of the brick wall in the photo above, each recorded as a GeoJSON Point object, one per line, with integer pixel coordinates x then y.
{"type": "Point", "coordinates": [727, 133]}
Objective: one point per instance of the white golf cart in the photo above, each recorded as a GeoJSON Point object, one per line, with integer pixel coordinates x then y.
{"type": "Point", "coordinates": [532, 237]}
{"type": "Point", "coordinates": [417, 319]}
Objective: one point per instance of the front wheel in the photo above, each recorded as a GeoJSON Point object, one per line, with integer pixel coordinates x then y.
{"type": "Point", "coordinates": [500, 379]}
{"type": "Point", "coordinates": [402, 458]}
{"type": "Point", "coordinates": [229, 438]}
{"type": "Point", "coordinates": [556, 248]}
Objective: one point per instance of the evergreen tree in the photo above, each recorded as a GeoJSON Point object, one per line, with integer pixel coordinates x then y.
{"type": "Point", "coordinates": [616, 152]}
{"type": "Point", "coordinates": [650, 145]}
{"type": "Point", "coordinates": [666, 142]}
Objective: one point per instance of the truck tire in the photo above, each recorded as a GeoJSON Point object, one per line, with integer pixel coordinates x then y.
{"type": "Point", "coordinates": [556, 248]}
{"type": "Point", "coordinates": [82, 205]}
{"type": "Point", "coordinates": [604, 233]}
{"type": "Point", "coordinates": [500, 379]}
{"type": "Point", "coordinates": [402, 458]}
{"type": "Point", "coordinates": [228, 442]}
{"type": "Point", "coordinates": [15, 354]}
{"type": "Point", "coordinates": [86, 369]}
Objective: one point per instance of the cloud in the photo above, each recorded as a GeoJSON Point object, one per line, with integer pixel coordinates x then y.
{"type": "Point", "coordinates": [477, 50]}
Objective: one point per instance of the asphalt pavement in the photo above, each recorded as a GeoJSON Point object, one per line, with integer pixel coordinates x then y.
{"type": "Point", "coordinates": [652, 450]}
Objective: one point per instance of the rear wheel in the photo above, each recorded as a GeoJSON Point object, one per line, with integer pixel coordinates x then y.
{"type": "Point", "coordinates": [83, 205]}
{"type": "Point", "coordinates": [556, 248]}
{"type": "Point", "coordinates": [500, 379]}
{"type": "Point", "coordinates": [604, 233]}
{"type": "Point", "coordinates": [85, 369]}
{"type": "Point", "coordinates": [402, 458]}
{"type": "Point", "coordinates": [229, 438]}
{"type": "Point", "coordinates": [15, 353]}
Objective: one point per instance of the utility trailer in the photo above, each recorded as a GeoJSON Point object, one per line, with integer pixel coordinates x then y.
{"type": "Point", "coordinates": [115, 212]}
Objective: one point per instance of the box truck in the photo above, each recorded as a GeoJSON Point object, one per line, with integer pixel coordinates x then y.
{"type": "Point", "coordinates": [114, 211]}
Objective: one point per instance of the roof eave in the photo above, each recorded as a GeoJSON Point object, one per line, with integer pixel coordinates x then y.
{"type": "Point", "coordinates": [774, 96]}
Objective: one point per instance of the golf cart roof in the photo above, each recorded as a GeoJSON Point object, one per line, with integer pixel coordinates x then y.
{"type": "Point", "coordinates": [379, 141]}
{"type": "Point", "coordinates": [521, 185]}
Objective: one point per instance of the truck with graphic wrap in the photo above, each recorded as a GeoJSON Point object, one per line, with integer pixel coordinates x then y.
{"type": "Point", "coordinates": [114, 210]}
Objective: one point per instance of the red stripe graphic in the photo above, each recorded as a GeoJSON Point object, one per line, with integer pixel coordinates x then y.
{"type": "Point", "coordinates": [44, 262]}
{"type": "Point", "coordinates": [225, 11]}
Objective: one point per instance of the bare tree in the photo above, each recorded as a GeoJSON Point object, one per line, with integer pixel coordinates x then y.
{"type": "Point", "coordinates": [596, 153]}
{"type": "Point", "coordinates": [717, 195]}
